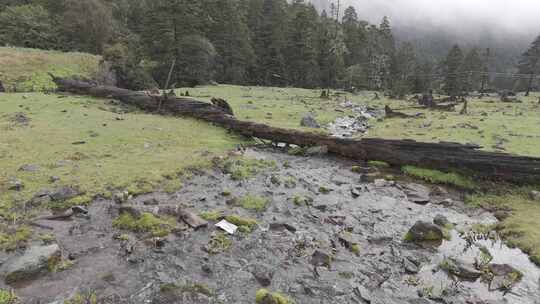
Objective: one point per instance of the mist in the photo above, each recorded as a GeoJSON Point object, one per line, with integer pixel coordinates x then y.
{"type": "Point", "coordinates": [466, 20]}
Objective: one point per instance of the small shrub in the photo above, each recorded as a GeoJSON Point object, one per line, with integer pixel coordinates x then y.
{"type": "Point", "coordinates": [14, 240]}
{"type": "Point", "coordinates": [252, 202]}
{"type": "Point", "coordinates": [214, 215]}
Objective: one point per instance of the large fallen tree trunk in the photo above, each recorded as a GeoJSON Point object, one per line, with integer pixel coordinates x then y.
{"type": "Point", "coordinates": [441, 156]}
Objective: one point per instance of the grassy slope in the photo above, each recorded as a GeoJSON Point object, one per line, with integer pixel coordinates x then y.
{"type": "Point", "coordinates": [286, 105]}
{"type": "Point", "coordinates": [136, 152]}
{"type": "Point", "coordinates": [28, 68]}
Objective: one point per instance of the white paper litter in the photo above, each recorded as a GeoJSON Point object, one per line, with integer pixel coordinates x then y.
{"type": "Point", "coordinates": [228, 227]}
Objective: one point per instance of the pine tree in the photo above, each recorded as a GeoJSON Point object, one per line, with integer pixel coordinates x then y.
{"type": "Point", "coordinates": [530, 64]}
{"type": "Point", "coordinates": [472, 70]}
{"type": "Point", "coordinates": [230, 36]}
{"type": "Point", "coordinates": [355, 37]}
{"type": "Point", "coordinates": [270, 42]}
{"type": "Point", "coordinates": [301, 52]}
{"type": "Point", "coordinates": [453, 76]}
{"type": "Point", "coordinates": [403, 70]}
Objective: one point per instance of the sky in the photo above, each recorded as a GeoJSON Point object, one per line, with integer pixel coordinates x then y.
{"type": "Point", "coordinates": [462, 16]}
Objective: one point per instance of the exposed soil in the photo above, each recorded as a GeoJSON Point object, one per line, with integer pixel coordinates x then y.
{"type": "Point", "coordinates": [378, 218]}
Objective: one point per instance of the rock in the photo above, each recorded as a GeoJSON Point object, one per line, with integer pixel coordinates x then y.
{"type": "Point", "coordinates": [534, 195]}
{"type": "Point", "coordinates": [424, 231]}
{"type": "Point", "coordinates": [15, 184]}
{"type": "Point", "coordinates": [363, 293]}
{"type": "Point", "coordinates": [30, 168]}
{"type": "Point", "coordinates": [504, 276]}
{"type": "Point", "coordinates": [441, 220]}
{"type": "Point", "coordinates": [121, 197]}
{"type": "Point", "coordinates": [502, 215]}
{"type": "Point", "coordinates": [380, 182]}
{"type": "Point", "coordinates": [410, 266]}
{"type": "Point", "coordinates": [262, 274]}
{"type": "Point", "coordinates": [461, 269]}
{"type": "Point", "coordinates": [33, 262]}
{"type": "Point", "coordinates": [192, 219]}
{"type": "Point", "coordinates": [309, 121]}
{"type": "Point", "coordinates": [320, 258]}
{"type": "Point", "coordinates": [417, 193]}
{"type": "Point", "coordinates": [316, 150]}
{"type": "Point", "coordinates": [54, 179]}
{"type": "Point", "coordinates": [63, 193]}
{"type": "Point", "coordinates": [281, 226]}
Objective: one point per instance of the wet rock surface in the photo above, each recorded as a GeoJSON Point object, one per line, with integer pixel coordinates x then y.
{"type": "Point", "coordinates": [33, 262]}
{"type": "Point", "coordinates": [334, 247]}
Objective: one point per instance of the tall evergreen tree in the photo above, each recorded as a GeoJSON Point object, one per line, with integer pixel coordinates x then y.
{"type": "Point", "coordinates": [403, 70]}
{"type": "Point", "coordinates": [530, 64]}
{"type": "Point", "coordinates": [453, 76]}
{"type": "Point", "coordinates": [270, 42]}
{"type": "Point", "coordinates": [228, 32]}
{"type": "Point", "coordinates": [472, 70]}
{"type": "Point", "coordinates": [301, 52]}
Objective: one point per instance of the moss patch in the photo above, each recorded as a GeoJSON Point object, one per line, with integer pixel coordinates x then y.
{"type": "Point", "coordinates": [214, 215]}
{"type": "Point", "coordinates": [438, 177]}
{"type": "Point", "coordinates": [242, 168]}
{"type": "Point", "coordinates": [147, 223]}
{"type": "Point", "coordinates": [253, 202]}
{"type": "Point", "coordinates": [264, 296]}
{"type": "Point", "coordinates": [378, 163]}
{"type": "Point", "coordinates": [245, 224]}
{"type": "Point", "coordinates": [11, 240]}
{"type": "Point", "coordinates": [219, 242]}
{"type": "Point", "coordinates": [8, 297]}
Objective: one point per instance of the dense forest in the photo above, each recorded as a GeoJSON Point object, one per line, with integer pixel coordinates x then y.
{"type": "Point", "coordinates": [249, 42]}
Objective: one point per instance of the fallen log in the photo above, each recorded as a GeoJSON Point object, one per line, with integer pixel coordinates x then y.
{"type": "Point", "coordinates": [440, 156]}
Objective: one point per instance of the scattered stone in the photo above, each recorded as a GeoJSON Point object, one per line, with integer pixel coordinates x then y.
{"type": "Point", "coordinates": [20, 119]}
{"type": "Point", "coordinates": [54, 179]}
{"type": "Point", "coordinates": [424, 231]}
{"type": "Point", "coordinates": [461, 269]}
{"type": "Point", "coordinates": [15, 184]}
{"type": "Point", "coordinates": [502, 215]}
{"type": "Point", "coordinates": [320, 258]}
{"type": "Point", "coordinates": [309, 121]}
{"type": "Point", "coordinates": [317, 150]}
{"type": "Point", "coordinates": [281, 226]}
{"type": "Point", "coordinates": [417, 193]}
{"type": "Point", "coordinates": [410, 266]}
{"type": "Point", "coordinates": [363, 293]}
{"type": "Point", "coordinates": [121, 197]}
{"type": "Point", "coordinates": [263, 274]}
{"type": "Point", "coordinates": [30, 168]}
{"type": "Point", "coordinates": [228, 227]}
{"type": "Point", "coordinates": [64, 193]}
{"type": "Point", "coordinates": [33, 262]}
{"type": "Point", "coordinates": [503, 276]}
{"type": "Point", "coordinates": [441, 220]}
{"type": "Point", "coordinates": [534, 195]}
{"type": "Point", "coordinates": [192, 219]}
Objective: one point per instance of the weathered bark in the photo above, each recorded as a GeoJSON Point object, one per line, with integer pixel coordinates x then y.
{"type": "Point", "coordinates": [441, 156]}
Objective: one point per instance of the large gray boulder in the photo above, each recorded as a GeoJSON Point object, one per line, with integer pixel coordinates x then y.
{"type": "Point", "coordinates": [32, 263]}
{"type": "Point", "coordinates": [424, 232]}
{"type": "Point", "coordinates": [309, 121]}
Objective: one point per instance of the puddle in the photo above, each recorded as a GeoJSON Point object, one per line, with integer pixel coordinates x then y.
{"type": "Point", "coordinates": [526, 291]}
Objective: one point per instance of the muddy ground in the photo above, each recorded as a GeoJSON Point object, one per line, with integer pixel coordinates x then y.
{"type": "Point", "coordinates": [378, 214]}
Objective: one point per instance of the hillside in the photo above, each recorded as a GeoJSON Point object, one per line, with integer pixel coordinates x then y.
{"type": "Point", "coordinates": [26, 69]}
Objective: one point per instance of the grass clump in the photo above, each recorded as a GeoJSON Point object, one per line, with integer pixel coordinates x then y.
{"type": "Point", "coordinates": [147, 223]}
{"type": "Point", "coordinates": [172, 185]}
{"type": "Point", "coordinates": [241, 168]}
{"type": "Point", "coordinates": [300, 200]}
{"type": "Point", "coordinates": [83, 298]}
{"type": "Point", "coordinates": [253, 202]}
{"type": "Point", "coordinates": [8, 297]}
{"type": "Point", "coordinates": [219, 242]}
{"type": "Point", "coordinates": [10, 241]}
{"type": "Point", "coordinates": [439, 177]}
{"type": "Point", "coordinates": [378, 164]}
{"type": "Point", "coordinates": [264, 296]}
{"type": "Point", "coordinates": [244, 224]}
{"type": "Point", "coordinates": [214, 215]}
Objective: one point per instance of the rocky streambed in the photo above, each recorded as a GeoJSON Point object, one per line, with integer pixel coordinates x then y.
{"type": "Point", "coordinates": [324, 234]}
